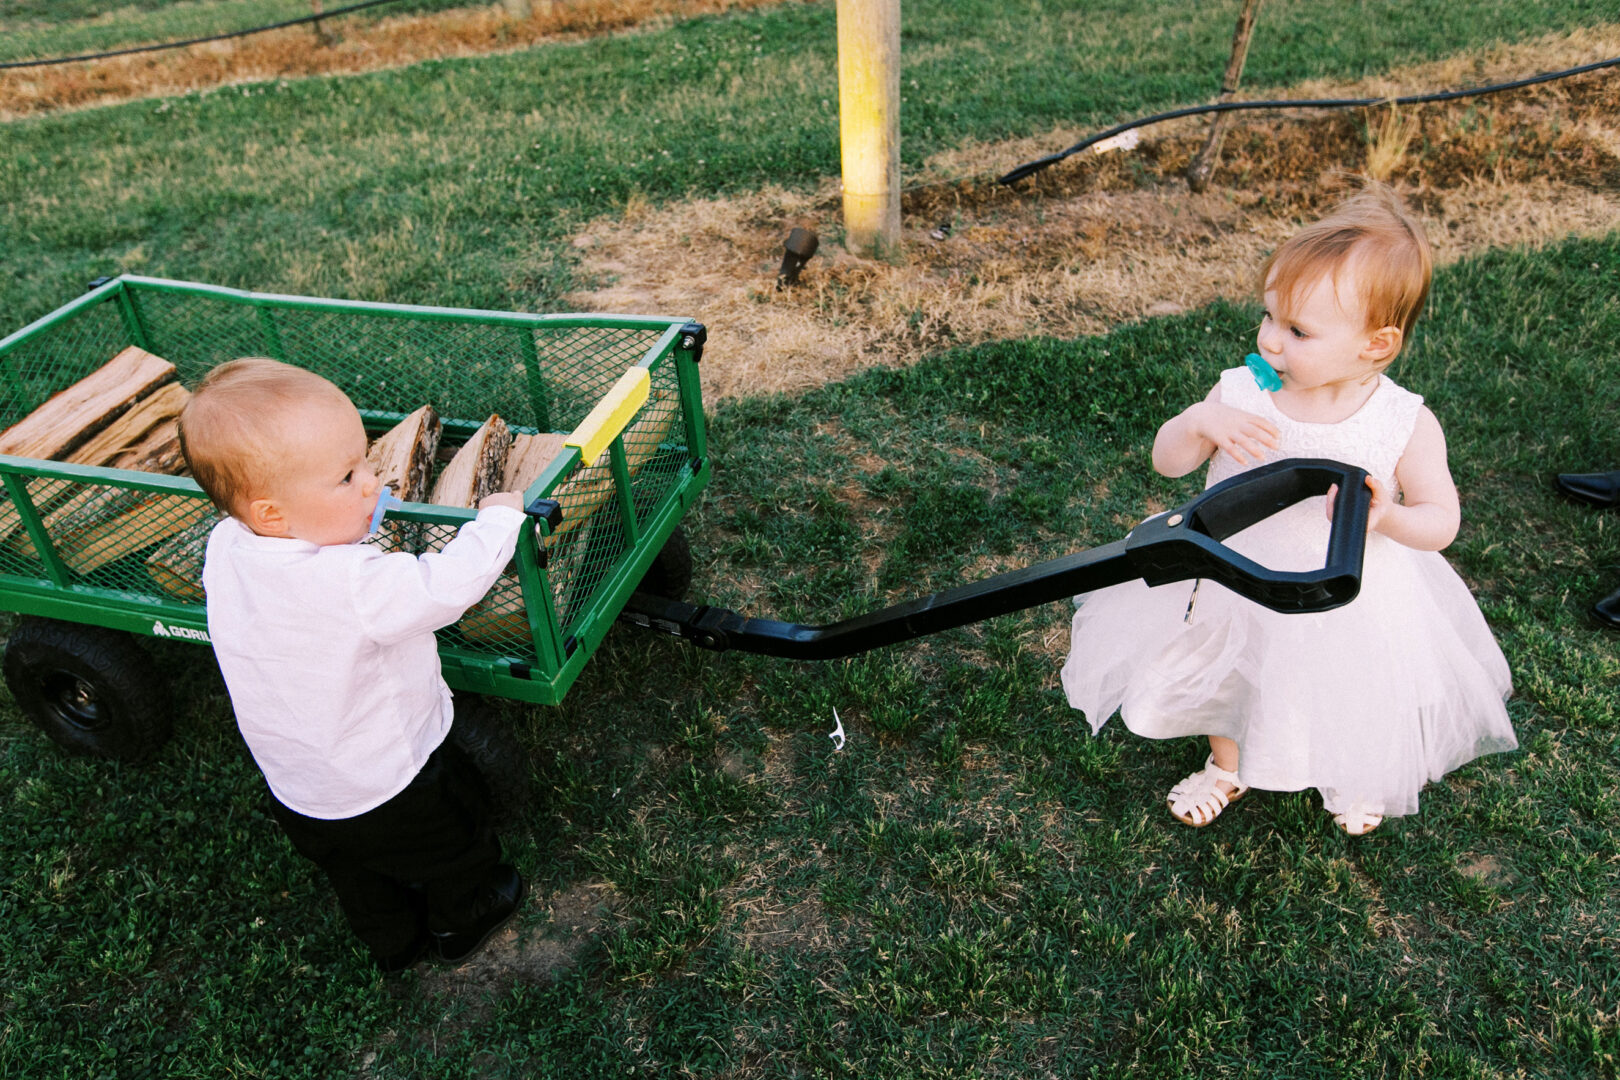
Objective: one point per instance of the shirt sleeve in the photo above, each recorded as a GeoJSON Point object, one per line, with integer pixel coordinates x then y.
{"type": "Point", "coordinates": [398, 595]}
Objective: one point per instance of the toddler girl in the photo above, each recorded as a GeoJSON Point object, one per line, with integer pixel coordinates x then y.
{"type": "Point", "coordinates": [1369, 701]}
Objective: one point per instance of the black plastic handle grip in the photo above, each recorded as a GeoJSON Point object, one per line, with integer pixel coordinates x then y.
{"type": "Point", "coordinates": [1186, 543]}
{"type": "Point", "coordinates": [1176, 546]}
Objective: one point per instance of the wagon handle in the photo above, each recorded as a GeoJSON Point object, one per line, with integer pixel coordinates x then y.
{"type": "Point", "coordinates": [1175, 546]}
{"type": "Point", "coordinates": [612, 415]}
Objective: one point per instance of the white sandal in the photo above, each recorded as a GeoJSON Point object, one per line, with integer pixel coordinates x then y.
{"type": "Point", "coordinates": [1197, 801]}
{"type": "Point", "coordinates": [1357, 822]}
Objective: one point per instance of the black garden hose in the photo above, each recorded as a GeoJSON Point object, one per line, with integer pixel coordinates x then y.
{"type": "Point", "coordinates": [1033, 167]}
{"type": "Point", "coordinates": [197, 41]}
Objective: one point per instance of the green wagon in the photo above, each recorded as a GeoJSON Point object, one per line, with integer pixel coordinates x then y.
{"type": "Point", "coordinates": [606, 507]}
{"type": "Point", "coordinates": [606, 543]}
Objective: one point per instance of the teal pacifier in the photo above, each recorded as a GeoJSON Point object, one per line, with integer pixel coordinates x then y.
{"type": "Point", "coordinates": [1263, 373]}
{"type": "Point", "coordinates": [385, 502]}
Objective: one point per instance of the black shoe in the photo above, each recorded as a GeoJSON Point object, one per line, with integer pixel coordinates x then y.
{"type": "Point", "coordinates": [1606, 612]}
{"type": "Point", "coordinates": [505, 893]}
{"type": "Point", "coordinates": [398, 962]}
{"type": "Point", "coordinates": [1599, 489]}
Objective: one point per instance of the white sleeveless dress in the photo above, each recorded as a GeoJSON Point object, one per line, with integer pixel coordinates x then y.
{"type": "Point", "coordinates": [1365, 703]}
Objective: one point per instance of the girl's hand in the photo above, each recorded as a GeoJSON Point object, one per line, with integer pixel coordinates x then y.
{"type": "Point", "coordinates": [1381, 502]}
{"type": "Point", "coordinates": [1240, 434]}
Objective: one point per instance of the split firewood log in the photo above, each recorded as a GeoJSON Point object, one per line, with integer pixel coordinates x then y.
{"type": "Point", "coordinates": [476, 469]}
{"type": "Point", "coordinates": [528, 458]}
{"type": "Point", "coordinates": [177, 565]}
{"type": "Point", "coordinates": [501, 615]}
{"type": "Point", "coordinates": [146, 437]}
{"type": "Point", "coordinates": [158, 452]}
{"type": "Point", "coordinates": [403, 456]}
{"type": "Point", "coordinates": [156, 414]}
{"type": "Point", "coordinates": [103, 524]}
{"type": "Point", "coordinates": [403, 459]}
{"type": "Point", "coordinates": [591, 486]}
{"type": "Point", "coordinates": [73, 416]}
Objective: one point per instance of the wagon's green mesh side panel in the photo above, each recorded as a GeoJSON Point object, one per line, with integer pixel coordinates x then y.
{"type": "Point", "coordinates": [148, 543]}
{"type": "Point", "coordinates": [107, 535]}
{"type": "Point", "coordinates": [582, 363]}
{"type": "Point", "coordinates": [57, 356]}
{"type": "Point", "coordinates": [396, 363]}
{"type": "Point", "coordinates": [112, 536]}
{"type": "Point", "coordinates": [194, 333]}
{"type": "Point", "coordinates": [594, 535]}
{"type": "Point", "coordinates": [17, 553]}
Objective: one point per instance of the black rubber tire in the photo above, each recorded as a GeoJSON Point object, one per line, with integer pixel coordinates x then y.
{"type": "Point", "coordinates": [92, 690]}
{"type": "Point", "coordinates": [670, 575]}
{"type": "Point", "coordinates": [478, 732]}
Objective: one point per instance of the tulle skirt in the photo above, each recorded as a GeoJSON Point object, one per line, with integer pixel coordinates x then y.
{"type": "Point", "coordinates": [1365, 703]}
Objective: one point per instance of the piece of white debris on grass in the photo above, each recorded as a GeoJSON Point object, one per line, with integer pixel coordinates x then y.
{"type": "Point", "coordinates": [837, 733]}
{"type": "Point", "coordinates": [1125, 140]}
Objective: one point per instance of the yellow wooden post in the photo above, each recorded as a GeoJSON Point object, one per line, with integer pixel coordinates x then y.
{"type": "Point", "coordinates": [869, 123]}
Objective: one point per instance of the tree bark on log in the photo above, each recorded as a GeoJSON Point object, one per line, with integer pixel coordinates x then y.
{"type": "Point", "coordinates": [476, 469]}
{"type": "Point", "coordinates": [403, 456]}
{"type": "Point", "coordinates": [177, 565]}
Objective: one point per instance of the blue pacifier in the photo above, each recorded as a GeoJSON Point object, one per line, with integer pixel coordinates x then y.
{"type": "Point", "coordinates": [385, 502]}
{"type": "Point", "coordinates": [1263, 373]}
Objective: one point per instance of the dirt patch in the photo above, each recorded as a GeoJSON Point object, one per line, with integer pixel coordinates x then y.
{"type": "Point", "coordinates": [1103, 239]}
{"type": "Point", "coordinates": [773, 927]}
{"type": "Point", "coordinates": [348, 48]}
{"type": "Point", "coordinates": [1488, 870]}
{"type": "Point", "coordinates": [513, 957]}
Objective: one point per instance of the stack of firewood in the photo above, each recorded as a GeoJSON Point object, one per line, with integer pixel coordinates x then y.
{"type": "Point", "coordinates": [124, 416]}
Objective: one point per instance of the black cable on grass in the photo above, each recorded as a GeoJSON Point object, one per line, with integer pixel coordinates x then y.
{"type": "Point", "coordinates": [1033, 167]}
{"type": "Point", "coordinates": [197, 41]}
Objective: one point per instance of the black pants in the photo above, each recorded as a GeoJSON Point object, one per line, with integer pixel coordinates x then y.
{"type": "Point", "coordinates": [417, 863]}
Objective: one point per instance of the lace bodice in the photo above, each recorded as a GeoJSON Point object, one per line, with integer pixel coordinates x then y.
{"type": "Point", "coordinates": [1373, 438]}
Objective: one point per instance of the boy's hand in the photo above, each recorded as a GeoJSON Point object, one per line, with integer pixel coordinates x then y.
{"type": "Point", "coordinates": [502, 498]}
{"type": "Point", "coordinates": [1241, 434]}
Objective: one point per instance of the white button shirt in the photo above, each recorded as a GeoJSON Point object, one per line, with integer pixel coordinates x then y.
{"type": "Point", "coordinates": [329, 654]}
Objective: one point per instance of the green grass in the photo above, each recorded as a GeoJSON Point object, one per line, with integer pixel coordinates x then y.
{"type": "Point", "coordinates": [974, 886]}
{"type": "Point", "coordinates": [41, 29]}
{"type": "Point", "coordinates": [458, 182]}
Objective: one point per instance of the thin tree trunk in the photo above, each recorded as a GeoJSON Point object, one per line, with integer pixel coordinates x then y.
{"type": "Point", "coordinates": [1203, 166]}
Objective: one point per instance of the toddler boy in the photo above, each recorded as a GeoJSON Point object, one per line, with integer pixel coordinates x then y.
{"type": "Point", "coordinates": [328, 653]}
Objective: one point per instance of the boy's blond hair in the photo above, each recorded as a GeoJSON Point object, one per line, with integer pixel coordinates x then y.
{"type": "Point", "coordinates": [1374, 230]}
{"type": "Point", "coordinates": [234, 429]}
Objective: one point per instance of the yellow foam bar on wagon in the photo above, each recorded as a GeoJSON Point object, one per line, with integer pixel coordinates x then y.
{"type": "Point", "coordinates": [611, 415]}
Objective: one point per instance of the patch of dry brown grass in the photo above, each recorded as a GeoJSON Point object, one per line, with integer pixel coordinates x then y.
{"type": "Point", "coordinates": [298, 51]}
{"type": "Point", "coordinates": [1100, 240]}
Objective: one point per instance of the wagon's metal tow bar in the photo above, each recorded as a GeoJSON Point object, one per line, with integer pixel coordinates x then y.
{"type": "Point", "coordinates": [1184, 543]}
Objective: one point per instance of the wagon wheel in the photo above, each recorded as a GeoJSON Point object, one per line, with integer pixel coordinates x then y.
{"type": "Point", "coordinates": [670, 575]}
{"type": "Point", "coordinates": [479, 733]}
{"type": "Point", "coordinates": [92, 690]}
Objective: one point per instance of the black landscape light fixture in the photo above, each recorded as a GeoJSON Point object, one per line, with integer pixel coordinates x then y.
{"type": "Point", "coordinates": [801, 244]}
